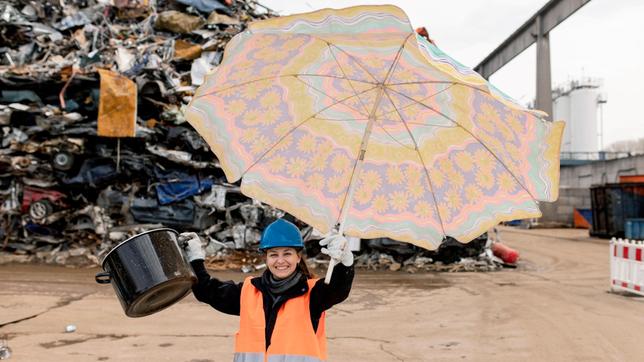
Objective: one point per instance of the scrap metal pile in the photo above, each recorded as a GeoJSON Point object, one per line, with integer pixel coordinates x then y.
{"type": "Point", "coordinates": [70, 187]}
{"type": "Point", "coordinates": [68, 192]}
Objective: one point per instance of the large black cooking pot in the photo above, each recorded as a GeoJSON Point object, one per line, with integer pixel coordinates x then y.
{"type": "Point", "coordinates": [148, 272]}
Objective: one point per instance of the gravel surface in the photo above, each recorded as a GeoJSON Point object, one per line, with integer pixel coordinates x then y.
{"type": "Point", "coordinates": [555, 306]}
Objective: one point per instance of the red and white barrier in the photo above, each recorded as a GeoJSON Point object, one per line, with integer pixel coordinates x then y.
{"type": "Point", "coordinates": [627, 265]}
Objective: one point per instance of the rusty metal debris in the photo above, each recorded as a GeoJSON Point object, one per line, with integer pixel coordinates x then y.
{"type": "Point", "coordinates": [451, 256]}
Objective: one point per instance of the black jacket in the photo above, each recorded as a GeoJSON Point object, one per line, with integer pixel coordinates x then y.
{"type": "Point", "coordinates": [225, 296]}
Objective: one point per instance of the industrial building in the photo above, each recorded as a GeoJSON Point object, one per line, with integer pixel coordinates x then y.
{"type": "Point", "coordinates": [584, 165]}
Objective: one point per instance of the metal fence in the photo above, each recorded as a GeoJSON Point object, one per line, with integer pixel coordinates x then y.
{"type": "Point", "coordinates": [594, 156]}
{"type": "Point", "coordinates": [626, 266]}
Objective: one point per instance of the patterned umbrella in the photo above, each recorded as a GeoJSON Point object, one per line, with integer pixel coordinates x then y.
{"type": "Point", "coordinates": [347, 119]}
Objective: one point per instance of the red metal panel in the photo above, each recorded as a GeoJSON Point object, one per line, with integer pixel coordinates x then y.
{"type": "Point", "coordinates": [631, 179]}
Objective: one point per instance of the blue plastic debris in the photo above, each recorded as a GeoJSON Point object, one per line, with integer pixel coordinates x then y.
{"type": "Point", "coordinates": [176, 190]}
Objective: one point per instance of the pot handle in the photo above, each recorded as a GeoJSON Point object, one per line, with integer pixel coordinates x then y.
{"type": "Point", "coordinates": [103, 278]}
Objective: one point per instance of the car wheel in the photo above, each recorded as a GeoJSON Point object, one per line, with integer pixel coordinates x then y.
{"type": "Point", "coordinates": [63, 161]}
{"type": "Point", "coordinates": [40, 209]}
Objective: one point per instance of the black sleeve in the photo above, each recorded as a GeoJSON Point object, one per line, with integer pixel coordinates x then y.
{"type": "Point", "coordinates": [324, 296]}
{"type": "Point", "coordinates": [223, 296]}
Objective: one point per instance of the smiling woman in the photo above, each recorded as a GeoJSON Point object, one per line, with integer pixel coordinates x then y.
{"type": "Point", "coordinates": [282, 262]}
{"type": "Point", "coordinates": [282, 312]}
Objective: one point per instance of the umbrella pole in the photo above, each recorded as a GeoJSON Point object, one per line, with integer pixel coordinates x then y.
{"type": "Point", "coordinates": [354, 176]}
{"type": "Point", "coordinates": [343, 216]}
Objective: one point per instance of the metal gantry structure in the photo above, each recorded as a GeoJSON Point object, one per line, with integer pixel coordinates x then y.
{"type": "Point", "coordinates": [535, 30]}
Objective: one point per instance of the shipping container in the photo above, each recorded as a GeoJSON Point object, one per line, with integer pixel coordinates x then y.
{"type": "Point", "coordinates": [612, 205]}
{"type": "Point", "coordinates": [634, 229]}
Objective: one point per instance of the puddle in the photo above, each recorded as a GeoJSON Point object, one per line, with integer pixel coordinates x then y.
{"type": "Point", "coordinates": [370, 280]}
{"type": "Point", "coordinates": [376, 289]}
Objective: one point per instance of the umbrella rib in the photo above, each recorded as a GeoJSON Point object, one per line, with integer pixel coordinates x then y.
{"type": "Point", "coordinates": [393, 138]}
{"type": "Point", "coordinates": [422, 161]}
{"type": "Point", "coordinates": [486, 91]}
{"type": "Point", "coordinates": [434, 82]}
{"type": "Point", "coordinates": [336, 77]}
{"type": "Point", "coordinates": [426, 124]}
{"type": "Point", "coordinates": [341, 120]}
{"type": "Point", "coordinates": [345, 75]}
{"type": "Point", "coordinates": [411, 104]}
{"type": "Point", "coordinates": [431, 125]}
{"type": "Point", "coordinates": [335, 100]}
{"type": "Point", "coordinates": [478, 140]}
{"type": "Point", "coordinates": [396, 59]}
{"type": "Point", "coordinates": [289, 132]}
{"type": "Point", "coordinates": [347, 54]}
{"type": "Point", "coordinates": [275, 77]}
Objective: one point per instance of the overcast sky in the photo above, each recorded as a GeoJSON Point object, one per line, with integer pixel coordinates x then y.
{"type": "Point", "coordinates": [604, 39]}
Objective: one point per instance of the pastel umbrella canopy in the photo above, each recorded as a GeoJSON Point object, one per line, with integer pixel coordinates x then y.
{"type": "Point", "coordinates": [347, 119]}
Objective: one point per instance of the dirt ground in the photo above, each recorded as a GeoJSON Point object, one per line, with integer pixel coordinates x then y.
{"type": "Point", "coordinates": [555, 307]}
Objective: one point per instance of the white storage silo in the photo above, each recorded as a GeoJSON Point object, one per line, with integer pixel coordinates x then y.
{"type": "Point", "coordinates": [561, 112]}
{"type": "Point", "coordinates": [577, 104]}
{"type": "Point", "coordinates": [583, 116]}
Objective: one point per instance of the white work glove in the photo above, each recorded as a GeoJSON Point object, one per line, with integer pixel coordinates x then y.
{"type": "Point", "coordinates": [337, 248]}
{"type": "Point", "coordinates": [191, 246]}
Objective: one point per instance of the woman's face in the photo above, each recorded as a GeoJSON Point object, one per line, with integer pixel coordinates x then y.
{"type": "Point", "coordinates": [282, 262]}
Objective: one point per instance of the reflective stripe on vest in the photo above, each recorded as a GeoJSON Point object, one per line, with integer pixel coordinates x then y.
{"type": "Point", "coordinates": [259, 357]}
{"type": "Point", "coordinates": [293, 338]}
{"type": "Point", "coordinates": [248, 357]}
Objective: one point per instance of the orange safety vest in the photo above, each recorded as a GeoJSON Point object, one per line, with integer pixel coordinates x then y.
{"type": "Point", "coordinates": [293, 339]}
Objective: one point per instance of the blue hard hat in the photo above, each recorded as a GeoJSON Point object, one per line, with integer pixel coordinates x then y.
{"type": "Point", "coordinates": [281, 233]}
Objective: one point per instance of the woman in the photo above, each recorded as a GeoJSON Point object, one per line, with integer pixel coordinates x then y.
{"type": "Point", "coordinates": [281, 312]}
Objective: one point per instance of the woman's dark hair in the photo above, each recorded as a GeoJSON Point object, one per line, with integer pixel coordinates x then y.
{"type": "Point", "coordinates": [303, 267]}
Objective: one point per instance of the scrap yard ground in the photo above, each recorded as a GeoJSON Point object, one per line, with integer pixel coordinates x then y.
{"type": "Point", "coordinates": [554, 307]}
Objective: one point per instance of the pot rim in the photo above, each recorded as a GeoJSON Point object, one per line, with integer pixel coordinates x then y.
{"type": "Point", "coordinates": [132, 237]}
{"type": "Point", "coordinates": [157, 287]}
